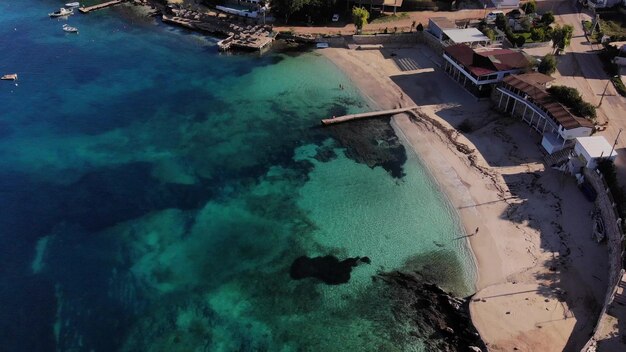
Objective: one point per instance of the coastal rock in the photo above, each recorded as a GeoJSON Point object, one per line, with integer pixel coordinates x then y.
{"type": "Point", "coordinates": [433, 312]}
{"type": "Point", "coordinates": [328, 269]}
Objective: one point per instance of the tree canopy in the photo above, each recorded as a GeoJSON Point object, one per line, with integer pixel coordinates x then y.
{"type": "Point", "coordinates": [360, 17]}
{"type": "Point", "coordinates": [530, 7]}
{"type": "Point", "coordinates": [561, 37]}
{"type": "Point", "coordinates": [286, 8]}
{"type": "Point", "coordinates": [547, 18]}
{"type": "Point", "coordinates": [547, 65]}
{"type": "Point", "coordinates": [571, 98]}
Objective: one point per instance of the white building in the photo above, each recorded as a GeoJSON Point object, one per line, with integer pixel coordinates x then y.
{"type": "Point", "coordinates": [525, 96]}
{"type": "Point", "coordinates": [590, 150]}
{"type": "Point", "coordinates": [436, 26]}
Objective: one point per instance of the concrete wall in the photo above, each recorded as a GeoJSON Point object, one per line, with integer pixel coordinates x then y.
{"type": "Point", "coordinates": [399, 38]}
{"type": "Point", "coordinates": [614, 235]}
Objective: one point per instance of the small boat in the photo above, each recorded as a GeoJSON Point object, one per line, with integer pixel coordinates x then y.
{"type": "Point", "coordinates": [321, 45]}
{"type": "Point", "coordinates": [70, 29]}
{"type": "Point", "coordinates": [72, 4]}
{"type": "Point", "coordinates": [62, 12]}
{"type": "Point", "coordinates": [11, 77]}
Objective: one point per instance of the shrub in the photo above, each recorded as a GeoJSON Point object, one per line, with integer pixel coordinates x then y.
{"type": "Point", "coordinates": [420, 27]}
{"type": "Point", "coordinates": [547, 18]}
{"type": "Point", "coordinates": [538, 34]}
{"type": "Point", "coordinates": [489, 33]}
{"type": "Point", "coordinates": [547, 65]}
{"type": "Point", "coordinates": [501, 22]}
{"type": "Point", "coordinates": [530, 7]}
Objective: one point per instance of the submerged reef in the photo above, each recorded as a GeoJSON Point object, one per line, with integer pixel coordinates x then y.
{"type": "Point", "coordinates": [328, 269]}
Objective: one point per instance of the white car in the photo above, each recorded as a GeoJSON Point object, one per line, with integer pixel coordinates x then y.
{"type": "Point", "coordinates": [335, 17]}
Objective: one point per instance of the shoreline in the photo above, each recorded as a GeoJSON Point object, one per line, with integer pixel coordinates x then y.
{"type": "Point", "coordinates": [530, 294]}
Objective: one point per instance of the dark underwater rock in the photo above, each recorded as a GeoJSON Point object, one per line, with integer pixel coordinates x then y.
{"type": "Point", "coordinates": [372, 142]}
{"type": "Point", "coordinates": [328, 269]}
{"type": "Point", "coordinates": [434, 313]}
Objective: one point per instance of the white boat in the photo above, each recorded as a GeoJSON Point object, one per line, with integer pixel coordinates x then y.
{"type": "Point", "coordinates": [321, 45]}
{"type": "Point", "coordinates": [70, 29]}
{"type": "Point", "coordinates": [62, 12]}
{"type": "Point", "coordinates": [10, 77]}
{"type": "Point", "coordinates": [72, 4]}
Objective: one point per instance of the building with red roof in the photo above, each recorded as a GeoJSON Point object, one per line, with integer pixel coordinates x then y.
{"type": "Point", "coordinates": [478, 70]}
{"type": "Point", "coordinates": [525, 96]}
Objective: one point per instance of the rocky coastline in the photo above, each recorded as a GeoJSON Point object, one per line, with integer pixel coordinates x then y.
{"type": "Point", "coordinates": [433, 313]}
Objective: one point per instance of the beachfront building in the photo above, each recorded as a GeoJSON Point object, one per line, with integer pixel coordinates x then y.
{"type": "Point", "coordinates": [588, 151]}
{"type": "Point", "coordinates": [525, 96]}
{"type": "Point", "coordinates": [436, 26]}
{"type": "Point", "coordinates": [479, 70]}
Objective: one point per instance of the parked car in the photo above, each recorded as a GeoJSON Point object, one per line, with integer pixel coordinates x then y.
{"type": "Point", "coordinates": [335, 17]}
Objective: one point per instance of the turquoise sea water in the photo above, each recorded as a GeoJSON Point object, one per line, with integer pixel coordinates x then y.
{"type": "Point", "coordinates": [154, 194]}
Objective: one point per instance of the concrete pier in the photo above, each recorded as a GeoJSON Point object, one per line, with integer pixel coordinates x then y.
{"type": "Point", "coordinates": [365, 115]}
{"type": "Point", "coordinates": [100, 6]}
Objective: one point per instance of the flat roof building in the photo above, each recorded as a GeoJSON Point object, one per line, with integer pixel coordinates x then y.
{"type": "Point", "coordinates": [590, 150]}
{"type": "Point", "coordinates": [468, 36]}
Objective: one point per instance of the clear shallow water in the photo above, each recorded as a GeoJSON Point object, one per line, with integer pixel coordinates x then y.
{"type": "Point", "coordinates": [153, 195]}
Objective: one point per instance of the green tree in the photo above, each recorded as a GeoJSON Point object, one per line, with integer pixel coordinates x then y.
{"type": "Point", "coordinates": [360, 17]}
{"type": "Point", "coordinates": [287, 8]}
{"type": "Point", "coordinates": [489, 33]}
{"type": "Point", "coordinates": [420, 27]}
{"type": "Point", "coordinates": [547, 65]}
{"type": "Point", "coordinates": [501, 22]}
{"type": "Point", "coordinates": [571, 98]}
{"type": "Point", "coordinates": [520, 40]}
{"type": "Point", "coordinates": [530, 7]}
{"type": "Point", "coordinates": [547, 18]}
{"type": "Point", "coordinates": [561, 37]}
{"type": "Point", "coordinates": [538, 34]}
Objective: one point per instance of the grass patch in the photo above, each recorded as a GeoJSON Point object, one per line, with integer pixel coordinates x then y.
{"type": "Point", "coordinates": [392, 18]}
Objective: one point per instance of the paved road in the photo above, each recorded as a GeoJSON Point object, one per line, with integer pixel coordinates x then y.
{"type": "Point", "coordinates": [580, 67]}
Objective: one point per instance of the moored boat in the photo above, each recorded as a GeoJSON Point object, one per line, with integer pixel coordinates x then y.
{"type": "Point", "coordinates": [61, 12]}
{"type": "Point", "coordinates": [70, 29]}
{"type": "Point", "coordinates": [10, 77]}
{"type": "Point", "coordinates": [72, 4]}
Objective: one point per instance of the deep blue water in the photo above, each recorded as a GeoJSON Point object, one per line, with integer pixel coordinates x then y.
{"type": "Point", "coordinates": [153, 194]}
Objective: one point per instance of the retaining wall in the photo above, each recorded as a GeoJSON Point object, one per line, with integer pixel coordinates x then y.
{"type": "Point", "coordinates": [614, 236]}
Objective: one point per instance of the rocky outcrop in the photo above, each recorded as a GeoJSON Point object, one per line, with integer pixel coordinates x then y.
{"type": "Point", "coordinates": [435, 314]}
{"type": "Point", "coordinates": [328, 269]}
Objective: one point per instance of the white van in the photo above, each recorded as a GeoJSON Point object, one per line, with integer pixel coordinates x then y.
{"type": "Point", "coordinates": [491, 16]}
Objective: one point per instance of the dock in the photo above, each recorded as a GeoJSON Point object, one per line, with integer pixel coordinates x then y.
{"type": "Point", "coordinates": [250, 38]}
{"type": "Point", "coordinates": [100, 6]}
{"type": "Point", "coordinates": [365, 115]}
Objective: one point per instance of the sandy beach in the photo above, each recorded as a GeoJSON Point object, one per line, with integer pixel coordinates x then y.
{"type": "Point", "coordinates": [541, 279]}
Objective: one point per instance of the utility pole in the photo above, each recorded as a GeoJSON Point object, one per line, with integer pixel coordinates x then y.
{"type": "Point", "coordinates": [604, 92]}
{"type": "Point", "coordinates": [615, 143]}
